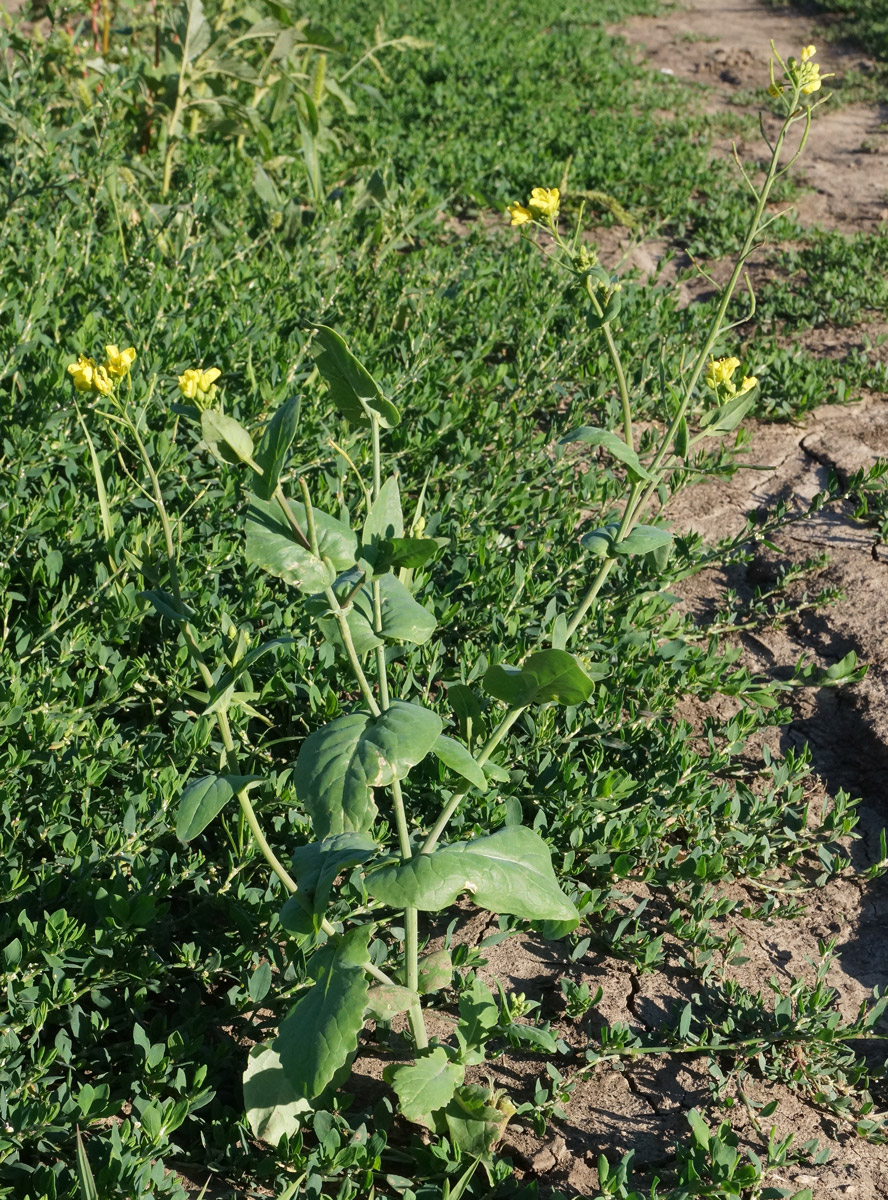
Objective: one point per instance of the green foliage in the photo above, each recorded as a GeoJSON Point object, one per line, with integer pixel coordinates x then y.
{"type": "Point", "coordinates": [207, 205]}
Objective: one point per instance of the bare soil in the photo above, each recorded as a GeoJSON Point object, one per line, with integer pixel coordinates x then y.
{"type": "Point", "coordinates": [723, 45]}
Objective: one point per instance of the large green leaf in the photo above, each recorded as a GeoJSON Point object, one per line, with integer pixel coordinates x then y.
{"type": "Point", "coordinates": [354, 390]}
{"type": "Point", "coordinates": [546, 675]}
{"type": "Point", "coordinates": [316, 865]}
{"type": "Point", "coordinates": [404, 619]}
{"type": "Point", "coordinates": [384, 520]}
{"type": "Point", "coordinates": [272, 545]}
{"type": "Point", "coordinates": [507, 872]}
{"type": "Point", "coordinates": [455, 755]}
{"type": "Point", "coordinates": [474, 1120]}
{"type": "Point", "coordinates": [274, 444]}
{"type": "Point", "coordinates": [424, 1085]}
{"type": "Point", "coordinates": [274, 1107]}
{"type": "Point", "coordinates": [339, 765]}
{"type": "Point", "coordinates": [321, 1030]}
{"type": "Point", "coordinates": [726, 419]}
{"type": "Point", "coordinates": [204, 799]}
{"type": "Point", "coordinates": [640, 540]}
{"type": "Point", "coordinates": [611, 442]}
{"type": "Point", "coordinates": [226, 437]}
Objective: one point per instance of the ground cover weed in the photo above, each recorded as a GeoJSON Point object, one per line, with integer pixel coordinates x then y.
{"type": "Point", "coordinates": [158, 964]}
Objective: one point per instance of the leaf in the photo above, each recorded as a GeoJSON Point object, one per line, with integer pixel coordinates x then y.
{"type": "Point", "coordinates": [640, 540]}
{"type": "Point", "coordinates": [644, 538]}
{"type": "Point", "coordinates": [274, 1108]}
{"type": "Point", "coordinates": [85, 1178]}
{"type": "Point", "coordinates": [384, 520]}
{"type": "Point", "coordinates": [272, 545]}
{"type": "Point", "coordinates": [455, 755]}
{"type": "Point", "coordinates": [321, 1030]}
{"type": "Point", "coordinates": [473, 1123]}
{"type": "Point", "coordinates": [260, 982]}
{"type": "Point", "coordinates": [507, 872]}
{"type": "Point", "coordinates": [387, 1000]}
{"type": "Point", "coordinates": [611, 442]}
{"type": "Point", "coordinates": [546, 675]}
{"type": "Point", "coordinates": [273, 447]}
{"type": "Point", "coordinates": [407, 552]}
{"type": "Point", "coordinates": [316, 865]}
{"type": "Point", "coordinates": [198, 33]}
{"type": "Point", "coordinates": [204, 799]}
{"type": "Point", "coordinates": [339, 765]}
{"type": "Point", "coordinates": [424, 1085]}
{"type": "Point", "coordinates": [728, 417]}
{"type": "Point", "coordinates": [404, 619]}
{"type": "Point", "coordinates": [478, 1014]}
{"type": "Point", "coordinates": [167, 606]}
{"type": "Point", "coordinates": [354, 390]}
{"type": "Point", "coordinates": [435, 972]}
{"type": "Point", "coordinates": [226, 438]}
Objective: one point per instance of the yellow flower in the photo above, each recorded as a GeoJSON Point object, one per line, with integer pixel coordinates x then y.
{"type": "Point", "coordinates": [749, 382]}
{"type": "Point", "coordinates": [119, 361]}
{"type": "Point", "coordinates": [808, 52]}
{"type": "Point", "coordinates": [102, 381]}
{"type": "Point", "coordinates": [809, 78]}
{"type": "Point", "coordinates": [720, 371]}
{"type": "Point", "coordinates": [545, 201]}
{"type": "Point", "coordinates": [82, 373]}
{"type": "Point", "coordinates": [199, 385]}
{"type": "Point", "coordinates": [519, 214]}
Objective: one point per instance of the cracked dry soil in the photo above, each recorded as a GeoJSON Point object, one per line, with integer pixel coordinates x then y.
{"type": "Point", "coordinates": [644, 1105]}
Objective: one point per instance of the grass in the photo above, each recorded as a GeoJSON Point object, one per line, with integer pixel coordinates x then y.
{"type": "Point", "coordinates": [134, 965]}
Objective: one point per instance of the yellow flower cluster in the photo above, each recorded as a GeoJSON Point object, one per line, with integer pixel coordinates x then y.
{"type": "Point", "coordinates": [199, 385]}
{"type": "Point", "coordinates": [801, 72]}
{"type": "Point", "coordinates": [543, 204]}
{"type": "Point", "coordinates": [88, 376]}
{"type": "Point", "coordinates": [720, 374]}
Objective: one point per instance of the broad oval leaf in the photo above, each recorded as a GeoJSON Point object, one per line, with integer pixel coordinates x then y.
{"type": "Point", "coordinates": [507, 872]}
{"type": "Point", "coordinates": [385, 519]}
{"type": "Point", "coordinates": [321, 1030]}
{"type": "Point", "coordinates": [546, 675]}
{"type": "Point", "coordinates": [274, 444]}
{"type": "Point", "coordinates": [386, 1000]}
{"type": "Point", "coordinates": [728, 417]}
{"type": "Point", "coordinates": [354, 390]}
{"type": "Point", "coordinates": [612, 443]}
{"type": "Point", "coordinates": [644, 538]}
{"type": "Point", "coordinates": [425, 1085]}
{"type": "Point", "coordinates": [455, 755]}
{"type": "Point", "coordinates": [204, 799]}
{"type": "Point", "coordinates": [226, 437]}
{"type": "Point", "coordinates": [272, 545]}
{"type": "Point", "coordinates": [316, 865]}
{"type": "Point", "coordinates": [274, 1107]}
{"type": "Point", "coordinates": [339, 765]}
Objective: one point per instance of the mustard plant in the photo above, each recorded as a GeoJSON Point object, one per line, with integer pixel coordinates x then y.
{"type": "Point", "coordinates": [358, 894]}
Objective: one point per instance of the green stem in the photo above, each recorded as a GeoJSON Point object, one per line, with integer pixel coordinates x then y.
{"type": "Point", "coordinates": [617, 365]}
{"type": "Point", "coordinates": [207, 677]}
{"type": "Point", "coordinates": [453, 803]}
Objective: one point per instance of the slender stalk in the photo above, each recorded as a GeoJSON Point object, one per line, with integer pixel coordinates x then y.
{"type": "Point", "coordinates": [453, 803]}
{"type": "Point", "coordinates": [249, 813]}
{"type": "Point", "coordinates": [617, 365]}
